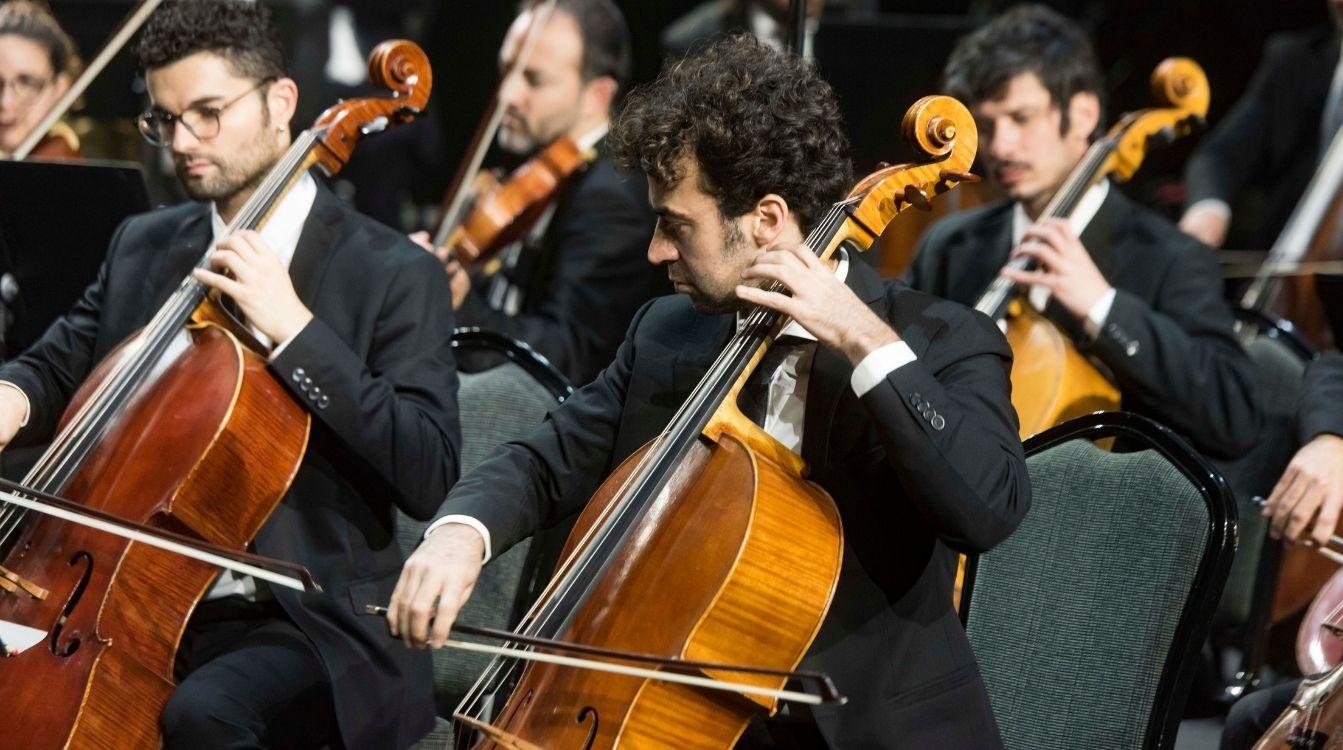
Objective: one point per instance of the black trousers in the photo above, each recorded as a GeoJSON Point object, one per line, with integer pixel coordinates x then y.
{"type": "Point", "coordinates": [248, 678]}
{"type": "Point", "coordinates": [1253, 714]}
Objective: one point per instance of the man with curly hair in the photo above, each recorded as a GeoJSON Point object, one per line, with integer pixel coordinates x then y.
{"type": "Point", "coordinates": [360, 326]}
{"type": "Point", "coordinates": [898, 402]}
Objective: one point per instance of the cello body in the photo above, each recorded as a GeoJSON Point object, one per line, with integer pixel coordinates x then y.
{"type": "Point", "coordinates": [1051, 381]}
{"type": "Point", "coordinates": [763, 566]}
{"type": "Point", "coordinates": [208, 447]}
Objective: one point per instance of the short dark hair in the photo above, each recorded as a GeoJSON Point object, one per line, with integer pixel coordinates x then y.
{"type": "Point", "coordinates": [33, 21]}
{"type": "Point", "coordinates": [606, 38]}
{"type": "Point", "coordinates": [1026, 39]}
{"type": "Point", "coordinates": [240, 31]}
{"type": "Point", "coordinates": [756, 120]}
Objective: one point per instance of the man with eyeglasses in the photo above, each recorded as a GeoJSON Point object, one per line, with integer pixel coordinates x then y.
{"type": "Point", "coordinates": [360, 324]}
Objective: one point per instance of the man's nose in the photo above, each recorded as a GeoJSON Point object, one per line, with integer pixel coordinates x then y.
{"type": "Point", "coordinates": [182, 137]}
{"type": "Point", "coordinates": [661, 252]}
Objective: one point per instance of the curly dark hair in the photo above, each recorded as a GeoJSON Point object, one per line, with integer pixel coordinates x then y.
{"type": "Point", "coordinates": [240, 31]}
{"type": "Point", "coordinates": [1026, 39]}
{"type": "Point", "coordinates": [33, 21]}
{"type": "Point", "coordinates": [756, 120]}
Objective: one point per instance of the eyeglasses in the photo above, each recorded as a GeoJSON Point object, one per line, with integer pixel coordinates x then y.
{"type": "Point", "coordinates": [201, 121]}
{"type": "Point", "coordinates": [24, 88]}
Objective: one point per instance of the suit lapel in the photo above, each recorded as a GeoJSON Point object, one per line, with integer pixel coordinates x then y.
{"type": "Point", "coordinates": [170, 267]}
{"type": "Point", "coordinates": [316, 244]}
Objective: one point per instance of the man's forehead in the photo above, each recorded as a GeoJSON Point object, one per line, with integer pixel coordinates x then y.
{"type": "Point", "coordinates": [559, 40]}
{"type": "Point", "coordinates": [195, 78]}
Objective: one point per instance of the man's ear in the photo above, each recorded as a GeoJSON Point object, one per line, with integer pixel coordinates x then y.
{"type": "Point", "coordinates": [1084, 114]}
{"type": "Point", "coordinates": [282, 99]}
{"type": "Point", "coordinates": [769, 220]}
{"type": "Point", "coordinates": [598, 96]}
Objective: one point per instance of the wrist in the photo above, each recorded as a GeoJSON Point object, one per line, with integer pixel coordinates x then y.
{"type": "Point", "coordinates": [291, 326]}
{"type": "Point", "coordinates": [865, 338]}
{"type": "Point", "coordinates": [459, 535]}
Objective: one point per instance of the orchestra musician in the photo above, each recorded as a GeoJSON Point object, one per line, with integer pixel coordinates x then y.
{"type": "Point", "coordinates": [1305, 505]}
{"type": "Point", "coordinates": [897, 400]}
{"type": "Point", "coordinates": [360, 324]}
{"type": "Point", "coordinates": [38, 62]}
{"type": "Point", "coordinates": [1129, 288]}
{"type": "Point", "coordinates": [572, 285]}
{"type": "Point", "coordinates": [1299, 73]}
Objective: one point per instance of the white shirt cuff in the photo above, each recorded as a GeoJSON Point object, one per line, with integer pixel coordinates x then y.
{"type": "Point", "coordinates": [1215, 206]}
{"type": "Point", "coordinates": [27, 405]}
{"type": "Point", "coordinates": [878, 364]}
{"type": "Point", "coordinates": [465, 521]}
{"type": "Point", "coordinates": [1098, 313]}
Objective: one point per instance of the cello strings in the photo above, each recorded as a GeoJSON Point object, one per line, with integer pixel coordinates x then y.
{"type": "Point", "coordinates": [745, 342]}
{"type": "Point", "coordinates": [77, 440]}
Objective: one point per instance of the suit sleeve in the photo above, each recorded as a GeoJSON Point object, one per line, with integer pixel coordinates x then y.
{"type": "Point", "coordinates": [1181, 360]}
{"type": "Point", "coordinates": [551, 473]}
{"type": "Point", "coordinates": [50, 370]}
{"type": "Point", "coordinates": [1320, 410]}
{"type": "Point", "coordinates": [948, 429]}
{"type": "Point", "coordinates": [1233, 152]}
{"type": "Point", "coordinates": [396, 409]}
{"type": "Point", "coordinates": [601, 277]}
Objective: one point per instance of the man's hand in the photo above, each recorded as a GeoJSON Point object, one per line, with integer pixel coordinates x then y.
{"type": "Point", "coordinates": [1311, 490]}
{"type": "Point", "coordinates": [435, 583]}
{"type": "Point", "coordinates": [13, 410]}
{"type": "Point", "coordinates": [820, 303]}
{"type": "Point", "coordinates": [1065, 267]}
{"type": "Point", "coordinates": [1207, 225]}
{"type": "Point", "coordinates": [457, 276]}
{"type": "Point", "coordinates": [258, 283]}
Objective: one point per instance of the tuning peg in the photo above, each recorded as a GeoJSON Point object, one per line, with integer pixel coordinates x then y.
{"type": "Point", "coordinates": [916, 198]}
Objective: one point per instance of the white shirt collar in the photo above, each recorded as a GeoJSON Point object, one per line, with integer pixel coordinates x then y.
{"type": "Point", "coordinates": [589, 139]}
{"type": "Point", "coordinates": [1081, 216]}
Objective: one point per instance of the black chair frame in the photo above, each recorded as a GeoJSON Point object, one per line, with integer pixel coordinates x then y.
{"type": "Point", "coordinates": [519, 352]}
{"type": "Point", "coordinates": [1210, 577]}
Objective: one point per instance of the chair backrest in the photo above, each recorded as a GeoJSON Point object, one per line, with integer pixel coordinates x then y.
{"type": "Point", "coordinates": [496, 405]}
{"type": "Point", "coordinates": [1087, 621]}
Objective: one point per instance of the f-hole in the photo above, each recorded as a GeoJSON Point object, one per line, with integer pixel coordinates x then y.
{"type": "Point", "coordinates": [592, 731]}
{"type": "Point", "coordinates": [72, 644]}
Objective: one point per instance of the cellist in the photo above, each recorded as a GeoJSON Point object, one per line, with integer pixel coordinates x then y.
{"type": "Point", "coordinates": [359, 321]}
{"type": "Point", "coordinates": [38, 62]}
{"type": "Point", "coordinates": [897, 400]}
{"type": "Point", "coordinates": [1129, 288]}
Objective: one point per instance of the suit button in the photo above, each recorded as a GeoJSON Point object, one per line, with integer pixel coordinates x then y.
{"type": "Point", "coordinates": [299, 374]}
{"type": "Point", "coordinates": [915, 399]}
{"type": "Point", "coordinates": [1132, 348]}
{"type": "Point", "coordinates": [323, 402]}
{"type": "Point", "coordinates": [938, 422]}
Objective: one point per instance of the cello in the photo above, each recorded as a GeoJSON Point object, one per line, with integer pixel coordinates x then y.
{"type": "Point", "coordinates": [187, 433]}
{"type": "Point", "coordinates": [708, 543]}
{"type": "Point", "coordinates": [1051, 381]}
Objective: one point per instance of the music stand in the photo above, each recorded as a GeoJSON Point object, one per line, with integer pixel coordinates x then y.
{"type": "Point", "coordinates": [56, 219]}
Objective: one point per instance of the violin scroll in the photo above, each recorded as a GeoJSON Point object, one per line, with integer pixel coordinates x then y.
{"type": "Point", "coordinates": [397, 65]}
{"type": "Point", "coordinates": [1180, 84]}
{"type": "Point", "coordinates": [933, 124]}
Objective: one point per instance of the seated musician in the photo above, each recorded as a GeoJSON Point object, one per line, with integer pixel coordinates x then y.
{"type": "Point", "coordinates": [38, 62]}
{"type": "Point", "coordinates": [897, 400]}
{"type": "Point", "coordinates": [1250, 148]}
{"type": "Point", "coordinates": [1305, 506]}
{"type": "Point", "coordinates": [360, 325]}
{"type": "Point", "coordinates": [1130, 289]}
{"type": "Point", "coordinates": [570, 287]}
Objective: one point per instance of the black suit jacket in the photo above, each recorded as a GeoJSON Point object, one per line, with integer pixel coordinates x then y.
{"type": "Point", "coordinates": [908, 492]}
{"type": "Point", "coordinates": [1321, 409]}
{"type": "Point", "coordinates": [1271, 137]}
{"type": "Point", "coordinates": [582, 283]}
{"type": "Point", "coordinates": [379, 348]}
{"type": "Point", "coordinates": [1168, 339]}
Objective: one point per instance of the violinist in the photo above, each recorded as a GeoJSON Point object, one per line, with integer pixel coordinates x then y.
{"type": "Point", "coordinates": [897, 400]}
{"type": "Point", "coordinates": [359, 326]}
{"type": "Point", "coordinates": [38, 62]}
{"type": "Point", "coordinates": [570, 287]}
{"type": "Point", "coordinates": [1130, 289]}
{"type": "Point", "coordinates": [1305, 505]}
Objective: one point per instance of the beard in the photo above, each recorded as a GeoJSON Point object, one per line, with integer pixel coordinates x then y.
{"type": "Point", "coordinates": [241, 170]}
{"type": "Point", "coordinates": [718, 296]}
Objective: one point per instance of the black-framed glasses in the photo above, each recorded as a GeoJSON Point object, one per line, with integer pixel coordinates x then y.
{"type": "Point", "coordinates": [201, 121]}
{"type": "Point", "coordinates": [24, 87]}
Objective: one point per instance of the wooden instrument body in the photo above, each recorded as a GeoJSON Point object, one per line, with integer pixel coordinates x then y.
{"type": "Point", "coordinates": [1319, 641]}
{"type": "Point", "coordinates": [1051, 381]}
{"type": "Point", "coordinates": [737, 562]}
{"type": "Point", "coordinates": [1313, 720]}
{"type": "Point", "coordinates": [208, 447]}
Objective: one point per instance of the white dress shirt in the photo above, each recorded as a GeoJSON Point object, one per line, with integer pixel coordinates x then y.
{"type": "Point", "coordinates": [786, 403]}
{"type": "Point", "coordinates": [1081, 216]}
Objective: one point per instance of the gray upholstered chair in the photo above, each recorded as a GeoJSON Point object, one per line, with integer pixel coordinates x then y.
{"type": "Point", "coordinates": [502, 401]}
{"type": "Point", "coordinates": [1087, 621]}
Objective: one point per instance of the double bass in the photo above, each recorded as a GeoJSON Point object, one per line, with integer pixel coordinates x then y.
{"type": "Point", "coordinates": [707, 544]}
{"type": "Point", "coordinates": [1051, 381]}
{"type": "Point", "coordinates": [197, 439]}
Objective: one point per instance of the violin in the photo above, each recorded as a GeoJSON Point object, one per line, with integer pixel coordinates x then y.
{"type": "Point", "coordinates": [201, 440]}
{"type": "Point", "coordinates": [1051, 381]}
{"type": "Point", "coordinates": [706, 542]}
{"type": "Point", "coordinates": [1313, 718]}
